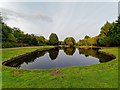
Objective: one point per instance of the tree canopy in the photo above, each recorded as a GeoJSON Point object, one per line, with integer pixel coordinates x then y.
{"type": "Point", "coordinates": [86, 37]}
{"type": "Point", "coordinates": [109, 36]}
{"type": "Point", "coordinates": [69, 41]}
{"type": "Point", "coordinates": [14, 37]}
{"type": "Point", "coordinates": [53, 39]}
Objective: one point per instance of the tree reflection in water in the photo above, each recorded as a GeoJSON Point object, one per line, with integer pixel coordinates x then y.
{"type": "Point", "coordinates": [30, 58]}
{"type": "Point", "coordinates": [88, 52]}
{"type": "Point", "coordinates": [53, 53]}
{"type": "Point", "coordinates": [95, 53]}
{"type": "Point", "coordinates": [27, 58]}
{"type": "Point", "coordinates": [69, 50]}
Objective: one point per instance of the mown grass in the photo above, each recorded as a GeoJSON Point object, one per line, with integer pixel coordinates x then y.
{"type": "Point", "coordinates": [103, 75]}
{"type": "Point", "coordinates": [13, 52]}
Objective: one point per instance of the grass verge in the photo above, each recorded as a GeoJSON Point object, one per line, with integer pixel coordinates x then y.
{"type": "Point", "coordinates": [103, 75]}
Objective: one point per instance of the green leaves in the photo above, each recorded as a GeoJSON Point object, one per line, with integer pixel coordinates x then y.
{"type": "Point", "coordinates": [110, 34]}
{"type": "Point", "coordinates": [53, 39]}
{"type": "Point", "coordinates": [86, 37]}
{"type": "Point", "coordinates": [69, 41]}
{"type": "Point", "coordinates": [11, 38]}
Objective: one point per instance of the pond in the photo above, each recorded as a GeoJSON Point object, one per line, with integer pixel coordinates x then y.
{"type": "Point", "coordinates": [58, 58]}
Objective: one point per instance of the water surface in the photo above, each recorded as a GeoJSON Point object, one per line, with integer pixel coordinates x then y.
{"type": "Point", "coordinates": [59, 58]}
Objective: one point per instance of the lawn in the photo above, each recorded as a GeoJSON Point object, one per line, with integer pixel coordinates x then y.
{"type": "Point", "coordinates": [103, 75]}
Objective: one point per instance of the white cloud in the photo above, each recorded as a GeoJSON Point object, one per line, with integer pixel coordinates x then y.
{"type": "Point", "coordinates": [59, 0]}
{"type": "Point", "coordinates": [10, 14]}
{"type": "Point", "coordinates": [65, 19]}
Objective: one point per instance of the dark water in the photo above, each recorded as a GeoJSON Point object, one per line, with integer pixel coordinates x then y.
{"type": "Point", "coordinates": [59, 58]}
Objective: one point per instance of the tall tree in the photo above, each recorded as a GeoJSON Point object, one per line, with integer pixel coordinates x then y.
{"type": "Point", "coordinates": [11, 38]}
{"type": "Point", "coordinates": [86, 37]}
{"type": "Point", "coordinates": [106, 28]}
{"type": "Point", "coordinates": [114, 33]}
{"type": "Point", "coordinates": [0, 28]}
{"type": "Point", "coordinates": [103, 36]}
{"type": "Point", "coordinates": [69, 41]}
{"type": "Point", "coordinates": [53, 39]}
{"type": "Point", "coordinates": [41, 40]}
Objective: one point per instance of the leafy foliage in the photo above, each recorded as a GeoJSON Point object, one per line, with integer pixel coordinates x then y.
{"type": "Point", "coordinates": [11, 37]}
{"type": "Point", "coordinates": [53, 39]}
{"type": "Point", "coordinates": [103, 36]}
{"type": "Point", "coordinates": [91, 41]}
{"type": "Point", "coordinates": [69, 41]}
{"type": "Point", "coordinates": [114, 33]}
{"type": "Point", "coordinates": [14, 37]}
{"type": "Point", "coordinates": [109, 36]}
{"type": "Point", "coordinates": [0, 30]}
{"type": "Point", "coordinates": [86, 37]}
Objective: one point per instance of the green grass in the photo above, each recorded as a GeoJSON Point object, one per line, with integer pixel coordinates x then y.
{"type": "Point", "coordinates": [12, 52]}
{"type": "Point", "coordinates": [103, 75]}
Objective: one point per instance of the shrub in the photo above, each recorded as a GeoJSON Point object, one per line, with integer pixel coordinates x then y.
{"type": "Point", "coordinates": [53, 39]}
{"type": "Point", "coordinates": [69, 41]}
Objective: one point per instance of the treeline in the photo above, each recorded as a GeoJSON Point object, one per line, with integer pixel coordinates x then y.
{"type": "Point", "coordinates": [14, 37]}
{"type": "Point", "coordinates": [109, 36]}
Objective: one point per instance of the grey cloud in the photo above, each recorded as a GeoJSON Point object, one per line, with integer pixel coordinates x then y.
{"type": "Point", "coordinates": [119, 7]}
{"type": "Point", "coordinates": [10, 14]}
{"type": "Point", "coordinates": [42, 17]}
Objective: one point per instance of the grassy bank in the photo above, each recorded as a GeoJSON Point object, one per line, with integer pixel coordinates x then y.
{"type": "Point", "coordinates": [103, 75]}
{"type": "Point", "coordinates": [13, 52]}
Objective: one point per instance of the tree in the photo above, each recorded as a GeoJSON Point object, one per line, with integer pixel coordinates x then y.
{"type": "Point", "coordinates": [11, 38]}
{"type": "Point", "coordinates": [6, 30]}
{"type": "Point", "coordinates": [69, 41]}
{"type": "Point", "coordinates": [114, 33]}
{"type": "Point", "coordinates": [86, 37]}
{"type": "Point", "coordinates": [20, 36]}
{"type": "Point", "coordinates": [41, 40]}
{"type": "Point", "coordinates": [1, 19]}
{"type": "Point", "coordinates": [53, 39]}
{"type": "Point", "coordinates": [110, 34]}
{"type": "Point", "coordinates": [105, 29]}
{"type": "Point", "coordinates": [104, 39]}
{"type": "Point", "coordinates": [0, 29]}
{"type": "Point", "coordinates": [14, 37]}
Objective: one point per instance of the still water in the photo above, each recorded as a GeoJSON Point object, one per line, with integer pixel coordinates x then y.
{"type": "Point", "coordinates": [59, 58]}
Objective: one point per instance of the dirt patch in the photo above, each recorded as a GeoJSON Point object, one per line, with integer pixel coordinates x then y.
{"type": "Point", "coordinates": [16, 72]}
{"type": "Point", "coordinates": [56, 73]}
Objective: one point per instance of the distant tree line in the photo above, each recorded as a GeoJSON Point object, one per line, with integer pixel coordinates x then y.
{"type": "Point", "coordinates": [109, 36]}
{"type": "Point", "coordinates": [14, 37]}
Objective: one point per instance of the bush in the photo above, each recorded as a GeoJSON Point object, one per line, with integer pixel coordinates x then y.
{"type": "Point", "coordinates": [7, 45]}
{"type": "Point", "coordinates": [12, 44]}
{"type": "Point", "coordinates": [69, 41]}
{"type": "Point", "coordinates": [53, 39]}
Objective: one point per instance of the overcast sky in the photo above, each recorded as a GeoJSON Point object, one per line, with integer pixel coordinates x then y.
{"type": "Point", "coordinates": [75, 19]}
